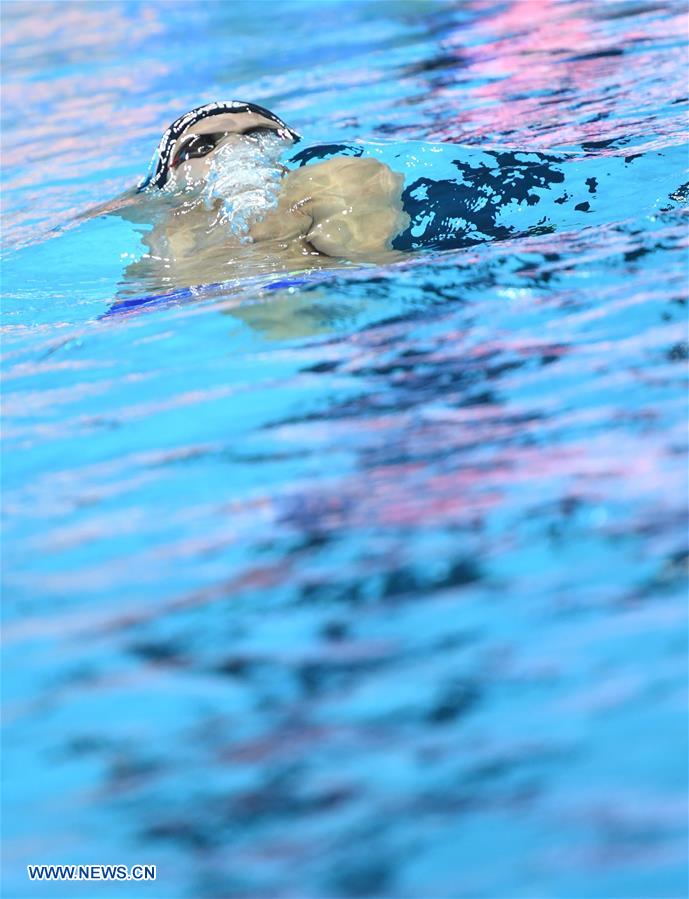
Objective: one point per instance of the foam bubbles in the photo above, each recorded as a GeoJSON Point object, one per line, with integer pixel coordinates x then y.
{"type": "Point", "coordinates": [245, 177]}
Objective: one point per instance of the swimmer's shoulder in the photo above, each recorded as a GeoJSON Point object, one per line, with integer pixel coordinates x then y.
{"type": "Point", "coordinates": [349, 174]}
{"type": "Point", "coordinates": [354, 206]}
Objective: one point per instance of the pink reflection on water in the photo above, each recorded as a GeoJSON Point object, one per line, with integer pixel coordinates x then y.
{"type": "Point", "coordinates": [57, 132]}
{"type": "Point", "coordinates": [552, 74]}
{"type": "Point", "coordinates": [66, 30]}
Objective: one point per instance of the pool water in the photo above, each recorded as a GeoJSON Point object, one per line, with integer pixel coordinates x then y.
{"type": "Point", "coordinates": [370, 582]}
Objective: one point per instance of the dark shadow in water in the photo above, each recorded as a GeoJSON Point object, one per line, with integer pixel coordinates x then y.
{"type": "Point", "coordinates": [450, 214]}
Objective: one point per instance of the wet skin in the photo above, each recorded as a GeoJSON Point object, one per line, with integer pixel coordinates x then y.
{"type": "Point", "coordinates": [335, 211]}
{"type": "Point", "coordinates": [326, 214]}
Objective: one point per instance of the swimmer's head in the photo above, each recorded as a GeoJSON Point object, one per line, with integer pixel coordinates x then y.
{"type": "Point", "coordinates": [187, 147]}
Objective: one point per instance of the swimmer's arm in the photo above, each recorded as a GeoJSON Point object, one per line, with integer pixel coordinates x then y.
{"type": "Point", "coordinates": [355, 208]}
{"type": "Point", "coordinates": [126, 205]}
{"type": "Point", "coordinates": [357, 234]}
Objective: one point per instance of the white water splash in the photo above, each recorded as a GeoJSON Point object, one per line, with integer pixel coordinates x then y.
{"type": "Point", "coordinates": [246, 179]}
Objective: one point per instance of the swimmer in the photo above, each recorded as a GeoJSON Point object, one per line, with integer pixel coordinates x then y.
{"type": "Point", "coordinates": [222, 204]}
{"type": "Point", "coordinates": [218, 203]}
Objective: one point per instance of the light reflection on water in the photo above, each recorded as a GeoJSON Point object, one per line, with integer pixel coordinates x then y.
{"type": "Point", "coordinates": [376, 587]}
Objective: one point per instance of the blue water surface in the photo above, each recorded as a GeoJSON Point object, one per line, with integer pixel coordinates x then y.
{"type": "Point", "coordinates": [371, 582]}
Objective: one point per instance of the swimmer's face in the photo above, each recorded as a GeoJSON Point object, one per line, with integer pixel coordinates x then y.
{"type": "Point", "coordinates": [193, 152]}
{"type": "Point", "coordinates": [187, 148]}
